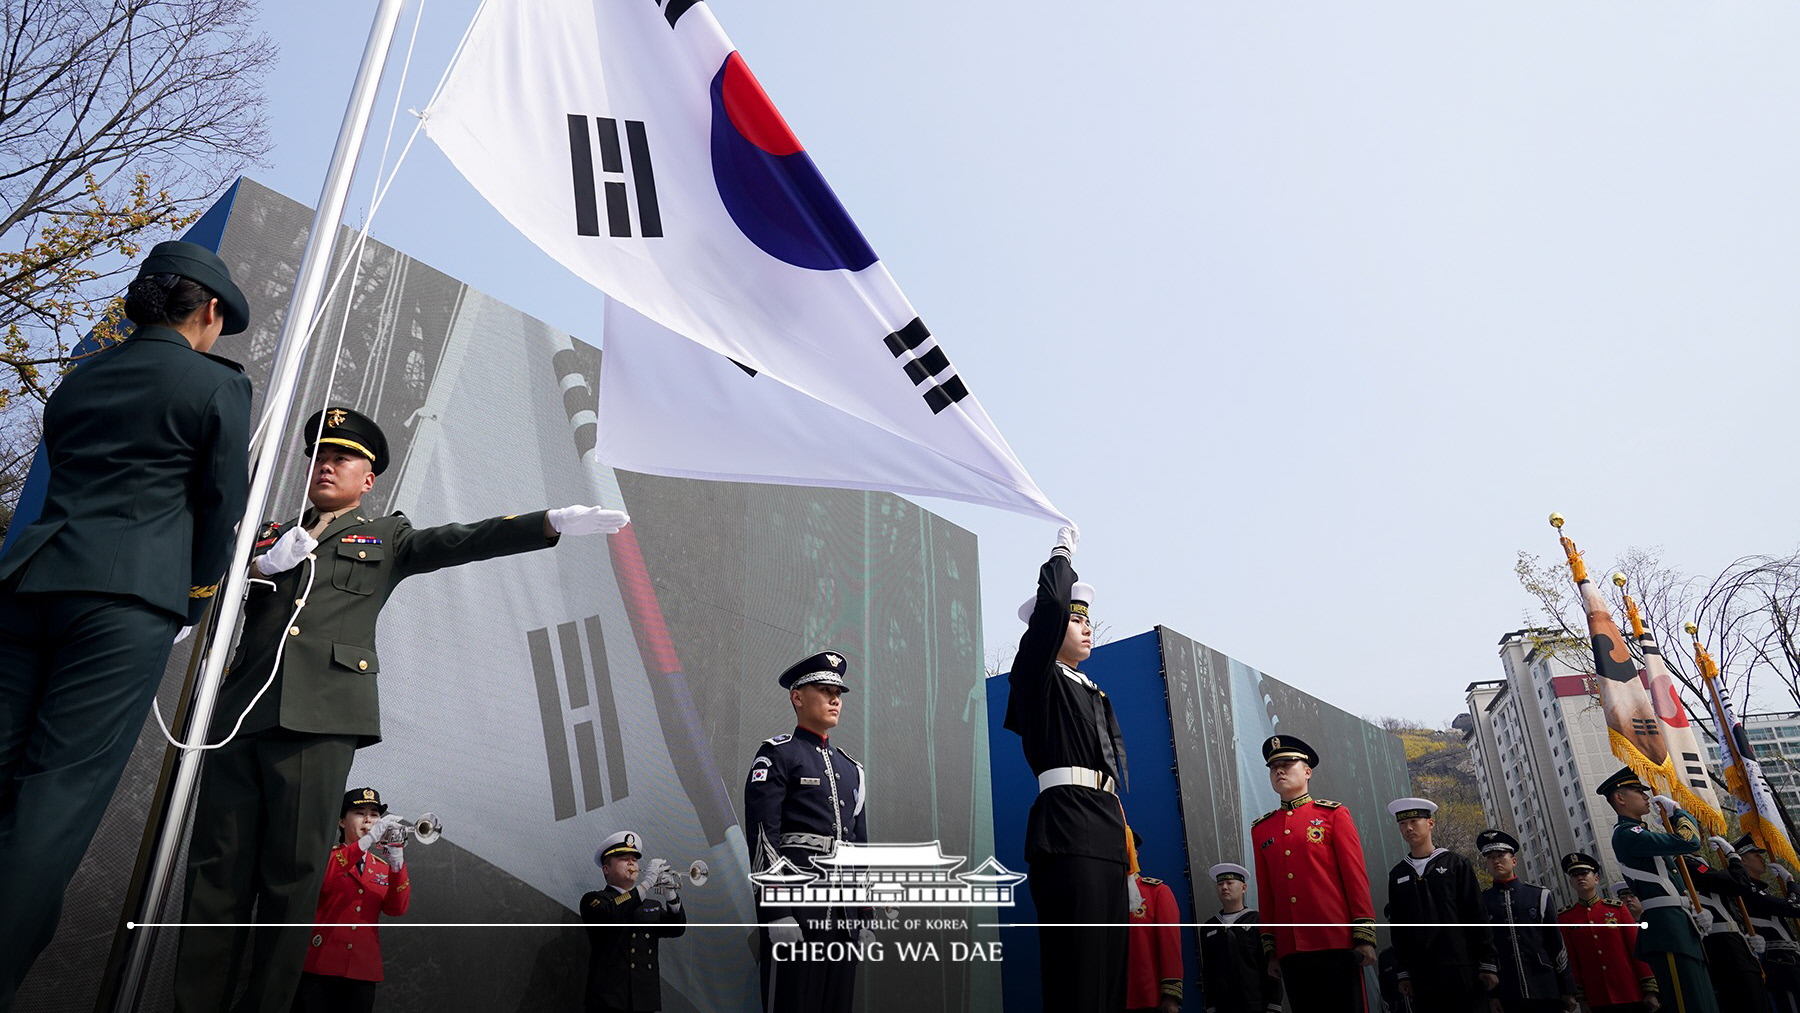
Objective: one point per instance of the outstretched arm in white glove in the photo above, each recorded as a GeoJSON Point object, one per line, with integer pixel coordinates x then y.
{"type": "Point", "coordinates": [584, 520]}
{"type": "Point", "coordinates": [785, 930]}
{"type": "Point", "coordinates": [286, 553]}
{"type": "Point", "coordinates": [1066, 537]}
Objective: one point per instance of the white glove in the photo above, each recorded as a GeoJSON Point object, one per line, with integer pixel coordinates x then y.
{"type": "Point", "coordinates": [865, 935]}
{"type": "Point", "coordinates": [1066, 537]}
{"type": "Point", "coordinates": [378, 830]}
{"type": "Point", "coordinates": [287, 552]}
{"type": "Point", "coordinates": [183, 635]}
{"type": "Point", "coordinates": [1781, 873]}
{"type": "Point", "coordinates": [587, 520]}
{"type": "Point", "coordinates": [1757, 944]}
{"type": "Point", "coordinates": [1723, 845]}
{"type": "Point", "coordinates": [1703, 920]}
{"type": "Point", "coordinates": [784, 930]}
{"type": "Point", "coordinates": [1667, 805]}
{"type": "Point", "coordinates": [395, 853]}
{"type": "Point", "coordinates": [654, 872]}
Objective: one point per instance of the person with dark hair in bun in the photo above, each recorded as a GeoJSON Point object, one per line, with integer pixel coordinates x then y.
{"type": "Point", "coordinates": [148, 444]}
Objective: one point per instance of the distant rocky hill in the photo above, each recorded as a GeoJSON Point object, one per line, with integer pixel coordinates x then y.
{"type": "Point", "coordinates": [1443, 772]}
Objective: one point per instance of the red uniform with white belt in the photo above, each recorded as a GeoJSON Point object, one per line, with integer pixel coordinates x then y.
{"type": "Point", "coordinates": [1309, 868]}
{"type": "Point", "coordinates": [359, 888]}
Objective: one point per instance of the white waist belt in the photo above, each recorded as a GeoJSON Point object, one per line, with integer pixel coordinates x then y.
{"type": "Point", "coordinates": [1086, 777]}
{"type": "Point", "coordinates": [1656, 902]}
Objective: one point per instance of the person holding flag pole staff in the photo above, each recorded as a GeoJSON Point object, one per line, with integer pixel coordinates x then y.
{"type": "Point", "coordinates": [1770, 915]}
{"type": "Point", "coordinates": [1440, 967]}
{"type": "Point", "coordinates": [1670, 943]}
{"type": "Point", "coordinates": [1076, 841]}
{"type": "Point", "coordinates": [300, 699]}
{"type": "Point", "coordinates": [148, 446]}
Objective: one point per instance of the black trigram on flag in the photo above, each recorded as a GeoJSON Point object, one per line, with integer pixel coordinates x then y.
{"type": "Point", "coordinates": [926, 365]}
{"type": "Point", "coordinates": [575, 699]}
{"type": "Point", "coordinates": [590, 186]}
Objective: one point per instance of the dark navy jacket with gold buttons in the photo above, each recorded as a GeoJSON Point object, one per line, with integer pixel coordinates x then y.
{"type": "Point", "coordinates": [624, 972]}
{"type": "Point", "coordinates": [326, 684]}
{"type": "Point", "coordinates": [802, 795]}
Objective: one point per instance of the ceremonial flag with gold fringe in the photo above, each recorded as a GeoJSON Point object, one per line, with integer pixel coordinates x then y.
{"type": "Point", "coordinates": [1685, 755]}
{"type": "Point", "coordinates": [1632, 725]}
{"type": "Point", "coordinates": [1756, 812]}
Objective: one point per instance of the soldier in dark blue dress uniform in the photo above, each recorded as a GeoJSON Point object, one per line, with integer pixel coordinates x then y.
{"type": "Point", "coordinates": [1534, 965]}
{"type": "Point", "coordinates": [148, 445]}
{"type": "Point", "coordinates": [802, 796]}
{"type": "Point", "coordinates": [1075, 837]}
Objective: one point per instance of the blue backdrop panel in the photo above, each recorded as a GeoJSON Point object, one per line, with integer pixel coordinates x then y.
{"type": "Point", "coordinates": [1130, 671]}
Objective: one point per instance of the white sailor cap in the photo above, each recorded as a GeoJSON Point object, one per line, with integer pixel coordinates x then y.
{"type": "Point", "coordinates": [1229, 870]}
{"type": "Point", "coordinates": [1081, 597]}
{"type": "Point", "coordinates": [1405, 809]}
{"type": "Point", "coordinates": [624, 842]}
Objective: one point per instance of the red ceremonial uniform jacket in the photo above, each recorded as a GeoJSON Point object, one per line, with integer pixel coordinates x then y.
{"type": "Point", "coordinates": [359, 895]}
{"type": "Point", "coordinates": [1309, 868]}
{"type": "Point", "coordinates": [1154, 967]}
{"type": "Point", "coordinates": [1605, 969]}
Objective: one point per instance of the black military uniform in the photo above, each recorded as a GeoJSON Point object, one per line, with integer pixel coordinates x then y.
{"type": "Point", "coordinates": [1737, 976]}
{"type": "Point", "coordinates": [1431, 893]}
{"type": "Point", "coordinates": [1769, 915]}
{"type": "Point", "coordinates": [624, 962]}
{"type": "Point", "coordinates": [802, 796]}
{"type": "Point", "coordinates": [1075, 835]}
{"type": "Point", "coordinates": [1534, 966]}
{"type": "Point", "coordinates": [269, 794]}
{"type": "Point", "coordinates": [147, 443]}
{"type": "Point", "coordinates": [1234, 973]}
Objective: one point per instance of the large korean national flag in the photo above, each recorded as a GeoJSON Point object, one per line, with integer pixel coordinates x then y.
{"type": "Point", "coordinates": [629, 140]}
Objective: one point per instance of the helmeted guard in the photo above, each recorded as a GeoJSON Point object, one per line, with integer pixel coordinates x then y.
{"type": "Point", "coordinates": [316, 594]}
{"type": "Point", "coordinates": [627, 922]}
{"type": "Point", "coordinates": [1309, 869]}
{"type": "Point", "coordinates": [1442, 945]}
{"type": "Point", "coordinates": [1601, 938]}
{"type": "Point", "coordinates": [803, 796]}
{"type": "Point", "coordinates": [1075, 836]}
{"type": "Point", "coordinates": [1671, 943]}
{"type": "Point", "coordinates": [1534, 964]}
{"type": "Point", "coordinates": [1234, 971]}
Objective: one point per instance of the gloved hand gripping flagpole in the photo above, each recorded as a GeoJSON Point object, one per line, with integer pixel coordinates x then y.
{"type": "Point", "coordinates": [295, 333]}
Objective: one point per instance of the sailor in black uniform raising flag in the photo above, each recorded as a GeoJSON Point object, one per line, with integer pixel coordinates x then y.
{"type": "Point", "coordinates": [1075, 840]}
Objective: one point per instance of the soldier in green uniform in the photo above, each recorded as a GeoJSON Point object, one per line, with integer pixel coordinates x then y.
{"type": "Point", "coordinates": [304, 683]}
{"type": "Point", "coordinates": [1671, 943]}
{"type": "Point", "coordinates": [147, 443]}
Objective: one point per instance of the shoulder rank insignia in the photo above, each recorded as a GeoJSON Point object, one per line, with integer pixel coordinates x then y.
{"type": "Point", "coordinates": [1264, 816]}
{"type": "Point", "coordinates": [1325, 803]}
{"type": "Point", "coordinates": [202, 590]}
{"type": "Point", "coordinates": [1149, 881]}
{"type": "Point", "coordinates": [779, 739]}
{"type": "Point", "coordinates": [594, 900]}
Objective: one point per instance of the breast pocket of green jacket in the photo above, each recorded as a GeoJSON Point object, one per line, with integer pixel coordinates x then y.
{"type": "Point", "coordinates": [357, 567]}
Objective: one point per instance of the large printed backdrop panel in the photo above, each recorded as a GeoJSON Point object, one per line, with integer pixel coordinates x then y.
{"type": "Point", "coordinates": [539, 702]}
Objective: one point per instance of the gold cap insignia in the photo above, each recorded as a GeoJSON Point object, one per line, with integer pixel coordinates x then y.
{"type": "Point", "coordinates": [833, 660]}
{"type": "Point", "coordinates": [1275, 742]}
{"type": "Point", "coordinates": [368, 794]}
{"type": "Point", "coordinates": [335, 417]}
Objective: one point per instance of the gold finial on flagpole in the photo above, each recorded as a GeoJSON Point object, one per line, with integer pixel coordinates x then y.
{"type": "Point", "coordinates": [1619, 578]}
{"type": "Point", "coordinates": [1631, 608]}
{"type": "Point", "coordinates": [1692, 630]}
{"type": "Point", "coordinates": [1577, 568]}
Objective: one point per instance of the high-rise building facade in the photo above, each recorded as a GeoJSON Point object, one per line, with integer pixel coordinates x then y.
{"type": "Point", "coordinates": [1539, 743]}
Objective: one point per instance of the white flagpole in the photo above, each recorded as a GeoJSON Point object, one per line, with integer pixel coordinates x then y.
{"type": "Point", "coordinates": [290, 350]}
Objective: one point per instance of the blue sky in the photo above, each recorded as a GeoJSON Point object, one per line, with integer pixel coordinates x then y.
{"type": "Point", "coordinates": [1308, 313]}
